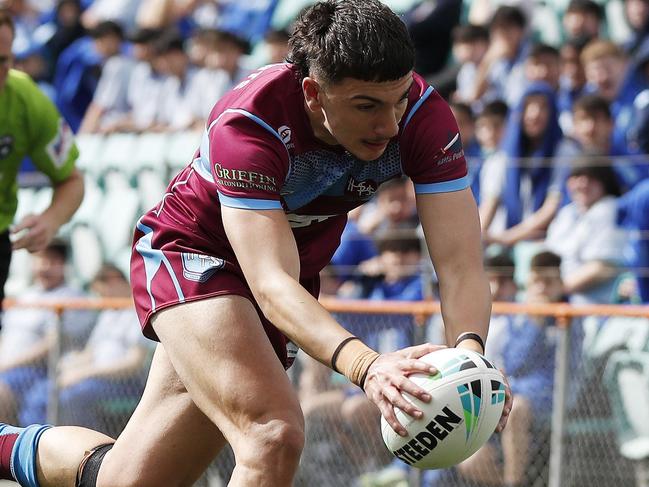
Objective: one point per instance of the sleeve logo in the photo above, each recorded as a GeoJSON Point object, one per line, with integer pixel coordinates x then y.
{"type": "Point", "coordinates": [59, 148]}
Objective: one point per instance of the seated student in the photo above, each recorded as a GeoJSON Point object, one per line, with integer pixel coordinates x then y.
{"type": "Point", "coordinates": [28, 334]}
{"type": "Point", "coordinates": [500, 73]}
{"type": "Point", "coordinates": [111, 365]}
{"type": "Point", "coordinates": [592, 134]}
{"type": "Point", "coordinates": [393, 208]}
{"type": "Point", "coordinates": [582, 19]}
{"type": "Point", "coordinates": [528, 358]}
{"type": "Point", "coordinates": [633, 213]}
{"type": "Point", "coordinates": [109, 102]}
{"type": "Point", "coordinates": [489, 131]}
{"type": "Point", "coordinates": [466, 123]}
{"type": "Point", "coordinates": [500, 269]}
{"type": "Point", "coordinates": [572, 82]}
{"type": "Point", "coordinates": [470, 43]}
{"type": "Point", "coordinates": [586, 235]}
{"type": "Point", "coordinates": [521, 182]}
{"type": "Point", "coordinates": [394, 274]}
{"type": "Point", "coordinates": [543, 63]}
{"type": "Point", "coordinates": [610, 74]}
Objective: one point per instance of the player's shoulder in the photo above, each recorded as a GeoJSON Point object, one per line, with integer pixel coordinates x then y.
{"type": "Point", "coordinates": [23, 87]}
{"type": "Point", "coordinates": [21, 83]}
{"type": "Point", "coordinates": [269, 94]}
{"type": "Point", "coordinates": [424, 100]}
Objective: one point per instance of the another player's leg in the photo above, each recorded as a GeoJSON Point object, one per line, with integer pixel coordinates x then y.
{"type": "Point", "coordinates": [168, 441]}
{"type": "Point", "coordinates": [222, 354]}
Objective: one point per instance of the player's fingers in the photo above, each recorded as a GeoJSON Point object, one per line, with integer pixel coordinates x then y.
{"type": "Point", "coordinates": [397, 400]}
{"type": "Point", "coordinates": [507, 408]}
{"type": "Point", "coordinates": [27, 222]}
{"type": "Point", "coordinates": [387, 411]}
{"type": "Point", "coordinates": [413, 389]}
{"type": "Point", "coordinates": [23, 241]}
{"type": "Point", "coordinates": [413, 366]}
{"type": "Point", "coordinates": [418, 351]}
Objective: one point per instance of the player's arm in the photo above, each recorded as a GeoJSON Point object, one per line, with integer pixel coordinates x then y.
{"type": "Point", "coordinates": [39, 230]}
{"type": "Point", "coordinates": [452, 230]}
{"type": "Point", "coordinates": [54, 153]}
{"type": "Point", "coordinates": [267, 253]}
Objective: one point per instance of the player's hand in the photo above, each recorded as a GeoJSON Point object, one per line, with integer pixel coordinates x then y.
{"type": "Point", "coordinates": [507, 408]}
{"type": "Point", "coordinates": [33, 233]}
{"type": "Point", "coordinates": [387, 378]}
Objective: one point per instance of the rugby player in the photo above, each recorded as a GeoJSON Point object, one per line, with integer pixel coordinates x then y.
{"type": "Point", "coordinates": [225, 268]}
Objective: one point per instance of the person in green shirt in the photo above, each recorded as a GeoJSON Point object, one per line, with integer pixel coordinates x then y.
{"type": "Point", "coordinates": [30, 125]}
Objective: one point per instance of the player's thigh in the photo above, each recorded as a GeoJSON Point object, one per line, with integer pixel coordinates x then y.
{"type": "Point", "coordinates": [168, 440]}
{"type": "Point", "coordinates": [221, 352]}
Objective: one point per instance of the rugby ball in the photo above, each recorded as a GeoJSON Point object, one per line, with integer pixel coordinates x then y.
{"type": "Point", "coordinates": [468, 395]}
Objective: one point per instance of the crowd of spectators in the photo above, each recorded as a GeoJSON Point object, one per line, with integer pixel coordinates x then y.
{"type": "Point", "coordinates": [555, 129]}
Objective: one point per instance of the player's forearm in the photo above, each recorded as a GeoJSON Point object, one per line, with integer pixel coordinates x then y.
{"type": "Point", "coordinates": [66, 199]}
{"type": "Point", "coordinates": [299, 316]}
{"type": "Point", "coordinates": [466, 305]}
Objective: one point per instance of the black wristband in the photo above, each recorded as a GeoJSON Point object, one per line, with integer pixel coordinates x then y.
{"type": "Point", "coordinates": [339, 349]}
{"type": "Point", "coordinates": [470, 336]}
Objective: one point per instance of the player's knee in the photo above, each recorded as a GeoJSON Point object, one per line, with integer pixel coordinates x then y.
{"type": "Point", "coordinates": [277, 438]}
{"type": "Point", "coordinates": [521, 410]}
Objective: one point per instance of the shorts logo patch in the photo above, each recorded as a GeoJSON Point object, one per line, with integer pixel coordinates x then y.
{"type": "Point", "coordinates": [199, 268]}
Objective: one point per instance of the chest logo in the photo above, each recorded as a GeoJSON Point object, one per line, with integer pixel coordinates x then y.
{"type": "Point", "coordinates": [6, 146]}
{"type": "Point", "coordinates": [361, 189]}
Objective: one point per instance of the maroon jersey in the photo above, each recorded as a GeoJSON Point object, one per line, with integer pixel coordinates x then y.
{"type": "Point", "coordinates": [258, 152]}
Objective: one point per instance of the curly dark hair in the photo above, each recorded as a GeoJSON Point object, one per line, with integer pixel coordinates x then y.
{"type": "Point", "coordinates": [360, 39]}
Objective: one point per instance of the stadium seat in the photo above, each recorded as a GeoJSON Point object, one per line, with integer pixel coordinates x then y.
{"type": "Point", "coordinates": [90, 148]}
{"type": "Point", "coordinates": [87, 254]}
{"type": "Point", "coordinates": [93, 195]}
{"type": "Point", "coordinates": [151, 185]}
{"type": "Point", "coordinates": [117, 215]}
{"type": "Point", "coordinates": [150, 152]}
{"type": "Point", "coordinates": [118, 153]}
{"type": "Point", "coordinates": [182, 146]}
{"type": "Point", "coordinates": [26, 198]}
{"type": "Point", "coordinates": [627, 381]}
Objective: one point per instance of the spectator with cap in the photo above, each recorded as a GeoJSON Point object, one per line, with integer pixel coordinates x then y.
{"type": "Point", "coordinates": [586, 236]}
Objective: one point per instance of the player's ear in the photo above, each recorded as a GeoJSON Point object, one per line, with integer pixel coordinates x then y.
{"type": "Point", "coordinates": [312, 92]}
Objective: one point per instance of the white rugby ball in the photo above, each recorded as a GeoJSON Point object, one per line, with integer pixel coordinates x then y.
{"type": "Point", "coordinates": [468, 395]}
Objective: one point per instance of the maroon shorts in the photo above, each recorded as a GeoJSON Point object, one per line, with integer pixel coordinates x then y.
{"type": "Point", "coordinates": [173, 264]}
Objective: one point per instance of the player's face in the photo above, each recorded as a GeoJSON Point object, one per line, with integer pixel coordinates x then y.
{"type": "Point", "coordinates": [6, 58]}
{"type": "Point", "coordinates": [362, 116]}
